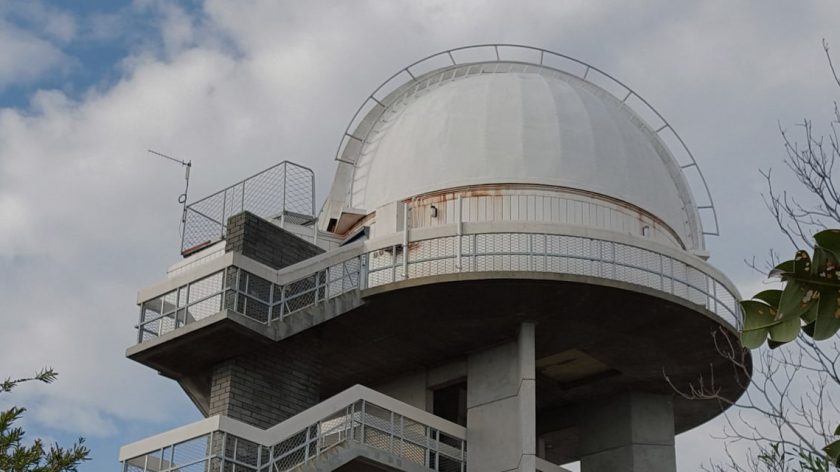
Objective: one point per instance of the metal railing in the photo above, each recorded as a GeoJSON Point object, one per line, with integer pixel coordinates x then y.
{"type": "Point", "coordinates": [368, 418]}
{"type": "Point", "coordinates": [238, 290]}
{"type": "Point", "coordinates": [284, 192]}
{"type": "Point", "coordinates": [264, 301]}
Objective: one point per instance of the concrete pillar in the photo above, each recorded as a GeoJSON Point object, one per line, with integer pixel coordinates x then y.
{"type": "Point", "coordinates": [501, 406]}
{"type": "Point", "coordinates": [632, 432]}
{"type": "Point", "coordinates": [267, 386]}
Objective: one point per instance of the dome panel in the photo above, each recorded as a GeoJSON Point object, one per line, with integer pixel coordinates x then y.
{"type": "Point", "coordinates": [521, 126]}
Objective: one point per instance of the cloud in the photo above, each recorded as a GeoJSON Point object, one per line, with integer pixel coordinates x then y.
{"type": "Point", "coordinates": [88, 217]}
{"type": "Point", "coordinates": [41, 18]}
{"type": "Point", "coordinates": [25, 57]}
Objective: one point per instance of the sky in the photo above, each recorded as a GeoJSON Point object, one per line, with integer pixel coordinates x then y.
{"type": "Point", "coordinates": [88, 217]}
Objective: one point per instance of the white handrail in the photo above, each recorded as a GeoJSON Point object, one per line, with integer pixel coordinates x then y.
{"type": "Point", "coordinates": [291, 426]}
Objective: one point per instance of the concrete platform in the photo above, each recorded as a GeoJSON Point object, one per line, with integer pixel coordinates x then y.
{"type": "Point", "coordinates": [632, 334]}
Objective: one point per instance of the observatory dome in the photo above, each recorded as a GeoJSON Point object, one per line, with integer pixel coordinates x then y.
{"type": "Point", "coordinates": [515, 125]}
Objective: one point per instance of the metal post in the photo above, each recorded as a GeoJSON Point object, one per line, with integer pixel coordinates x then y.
{"type": "Point", "coordinates": [245, 299]}
{"type": "Point", "coordinates": [391, 436]}
{"type": "Point", "coordinates": [224, 212]}
{"type": "Point", "coordinates": [282, 301]}
{"type": "Point", "coordinates": [673, 278]}
{"type": "Point", "coordinates": [270, 302]}
{"type": "Point", "coordinates": [363, 271]}
{"type": "Point", "coordinates": [306, 445]}
{"type": "Point", "coordinates": [459, 231]}
{"type": "Point", "coordinates": [661, 275]}
{"type": "Point", "coordinates": [474, 253]}
{"type": "Point", "coordinates": [714, 295]}
{"type": "Point", "coordinates": [259, 456]}
{"type": "Point", "coordinates": [312, 186]}
{"type": "Point", "coordinates": [224, 448]}
{"type": "Point", "coordinates": [186, 303]}
{"type": "Point", "coordinates": [184, 230]}
{"type": "Point", "coordinates": [402, 434]}
{"type": "Point", "coordinates": [437, 450]}
{"type": "Point", "coordinates": [327, 284]}
{"type": "Point", "coordinates": [348, 421]}
{"type": "Point", "coordinates": [428, 461]}
{"type": "Point", "coordinates": [545, 253]}
{"type": "Point", "coordinates": [142, 324]}
{"type": "Point", "coordinates": [531, 263]}
{"type": "Point", "coordinates": [405, 240]}
{"type": "Point", "coordinates": [283, 206]}
{"type": "Point", "coordinates": [394, 263]}
{"type": "Point", "coordinates": [362, 427]}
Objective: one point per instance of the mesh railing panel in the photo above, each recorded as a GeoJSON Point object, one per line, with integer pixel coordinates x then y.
{"type": "Point", "coordinates": [245, 293]}
{"type": "Point", "coordinates": [285, 190]}
{"type": "Point", "coordinates": [193, 454]}
{"type": "Point", "coordinates": [259, 299]}
{"type": "Point", "coordinates": [360, 422]}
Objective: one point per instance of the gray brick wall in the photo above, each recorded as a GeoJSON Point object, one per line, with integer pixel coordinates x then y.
{"type": "Point", "coordinates": [266, 242]}
{"type": "Point", "coordinates": [273, 382]}
{"type": "Point", "coordinates": [267, 386]}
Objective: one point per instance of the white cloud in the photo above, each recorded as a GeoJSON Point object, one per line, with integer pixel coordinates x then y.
{"type": "Point", "coordinates": [15, 217]}
{"type": "Point", "coordinates": [89, 218]}
{"type": "Point", "coordinates": [25, 57]}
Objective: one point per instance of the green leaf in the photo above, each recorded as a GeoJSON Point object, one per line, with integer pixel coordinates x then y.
{"type": "Point", "coordinates": [786, 331]}
{"type": "Point", "coordinates": [802, 263]}
{"type": "Point", "coordinates": [833, 452]}
{"type": "Point", "coordinates": [758, 315]}
{"type": "Point", "coordinates": [754, 338]}
{"type": "Point", "coordinates": [827, 322]}
{"type": "Point", "coordinates": [824, 265]}
{"type": "Point", "coordinates": [811, 315]}
{"type": "Point", "coordinates": [829, 239]}
{"type": "Point", "coordinates": [837, 431]}
{"type": "Point", "coordinates": [782, 270]}
{"type": "Point", "coordinates": [771, 297]}
{"type": "Point", "coordinates": [796, 299]}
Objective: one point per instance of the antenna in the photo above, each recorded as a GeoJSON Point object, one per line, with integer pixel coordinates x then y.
{"type": "Point", "coordinates": [182, 199]}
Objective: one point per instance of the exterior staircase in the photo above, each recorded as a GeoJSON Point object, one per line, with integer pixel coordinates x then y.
{"type": "Point", "coordinates": [356, 430]}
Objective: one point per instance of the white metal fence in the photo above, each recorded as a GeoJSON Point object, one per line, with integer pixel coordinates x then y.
{"type": "Point", "coordinates": [392, 428]}
{"type": "Point", "coordinates": [235, 289]}
{"type": "Point", "coordinates": [285, 191]}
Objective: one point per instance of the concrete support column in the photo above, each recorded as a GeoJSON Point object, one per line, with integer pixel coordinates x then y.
{"type": "Point", "coordinates": [501, 406]}
{"type": "Point", "coordinates": [632, 432]}
{"type": "Point", "coordinates": [267, 386]}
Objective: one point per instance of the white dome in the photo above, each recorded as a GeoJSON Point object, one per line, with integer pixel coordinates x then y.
{"type": "Point", "coordinates": [528, 125]}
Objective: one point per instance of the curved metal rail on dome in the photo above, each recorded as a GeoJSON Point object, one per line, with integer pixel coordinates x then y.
{"type": "Point", "coordinates": [497, 50]}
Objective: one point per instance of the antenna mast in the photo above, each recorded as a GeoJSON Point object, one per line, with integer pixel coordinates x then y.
{"type": "Point", "coordinates": [182, 199]}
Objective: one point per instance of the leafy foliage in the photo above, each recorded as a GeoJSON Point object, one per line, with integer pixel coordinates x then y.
{"type": "Point", "coordinates": [15, 456]}
{"type": "Point", "coordinates": [810, 302]}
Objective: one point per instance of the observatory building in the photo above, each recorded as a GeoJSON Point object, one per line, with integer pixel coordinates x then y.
{"type": "Point", "coordinates": [509, 262]}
